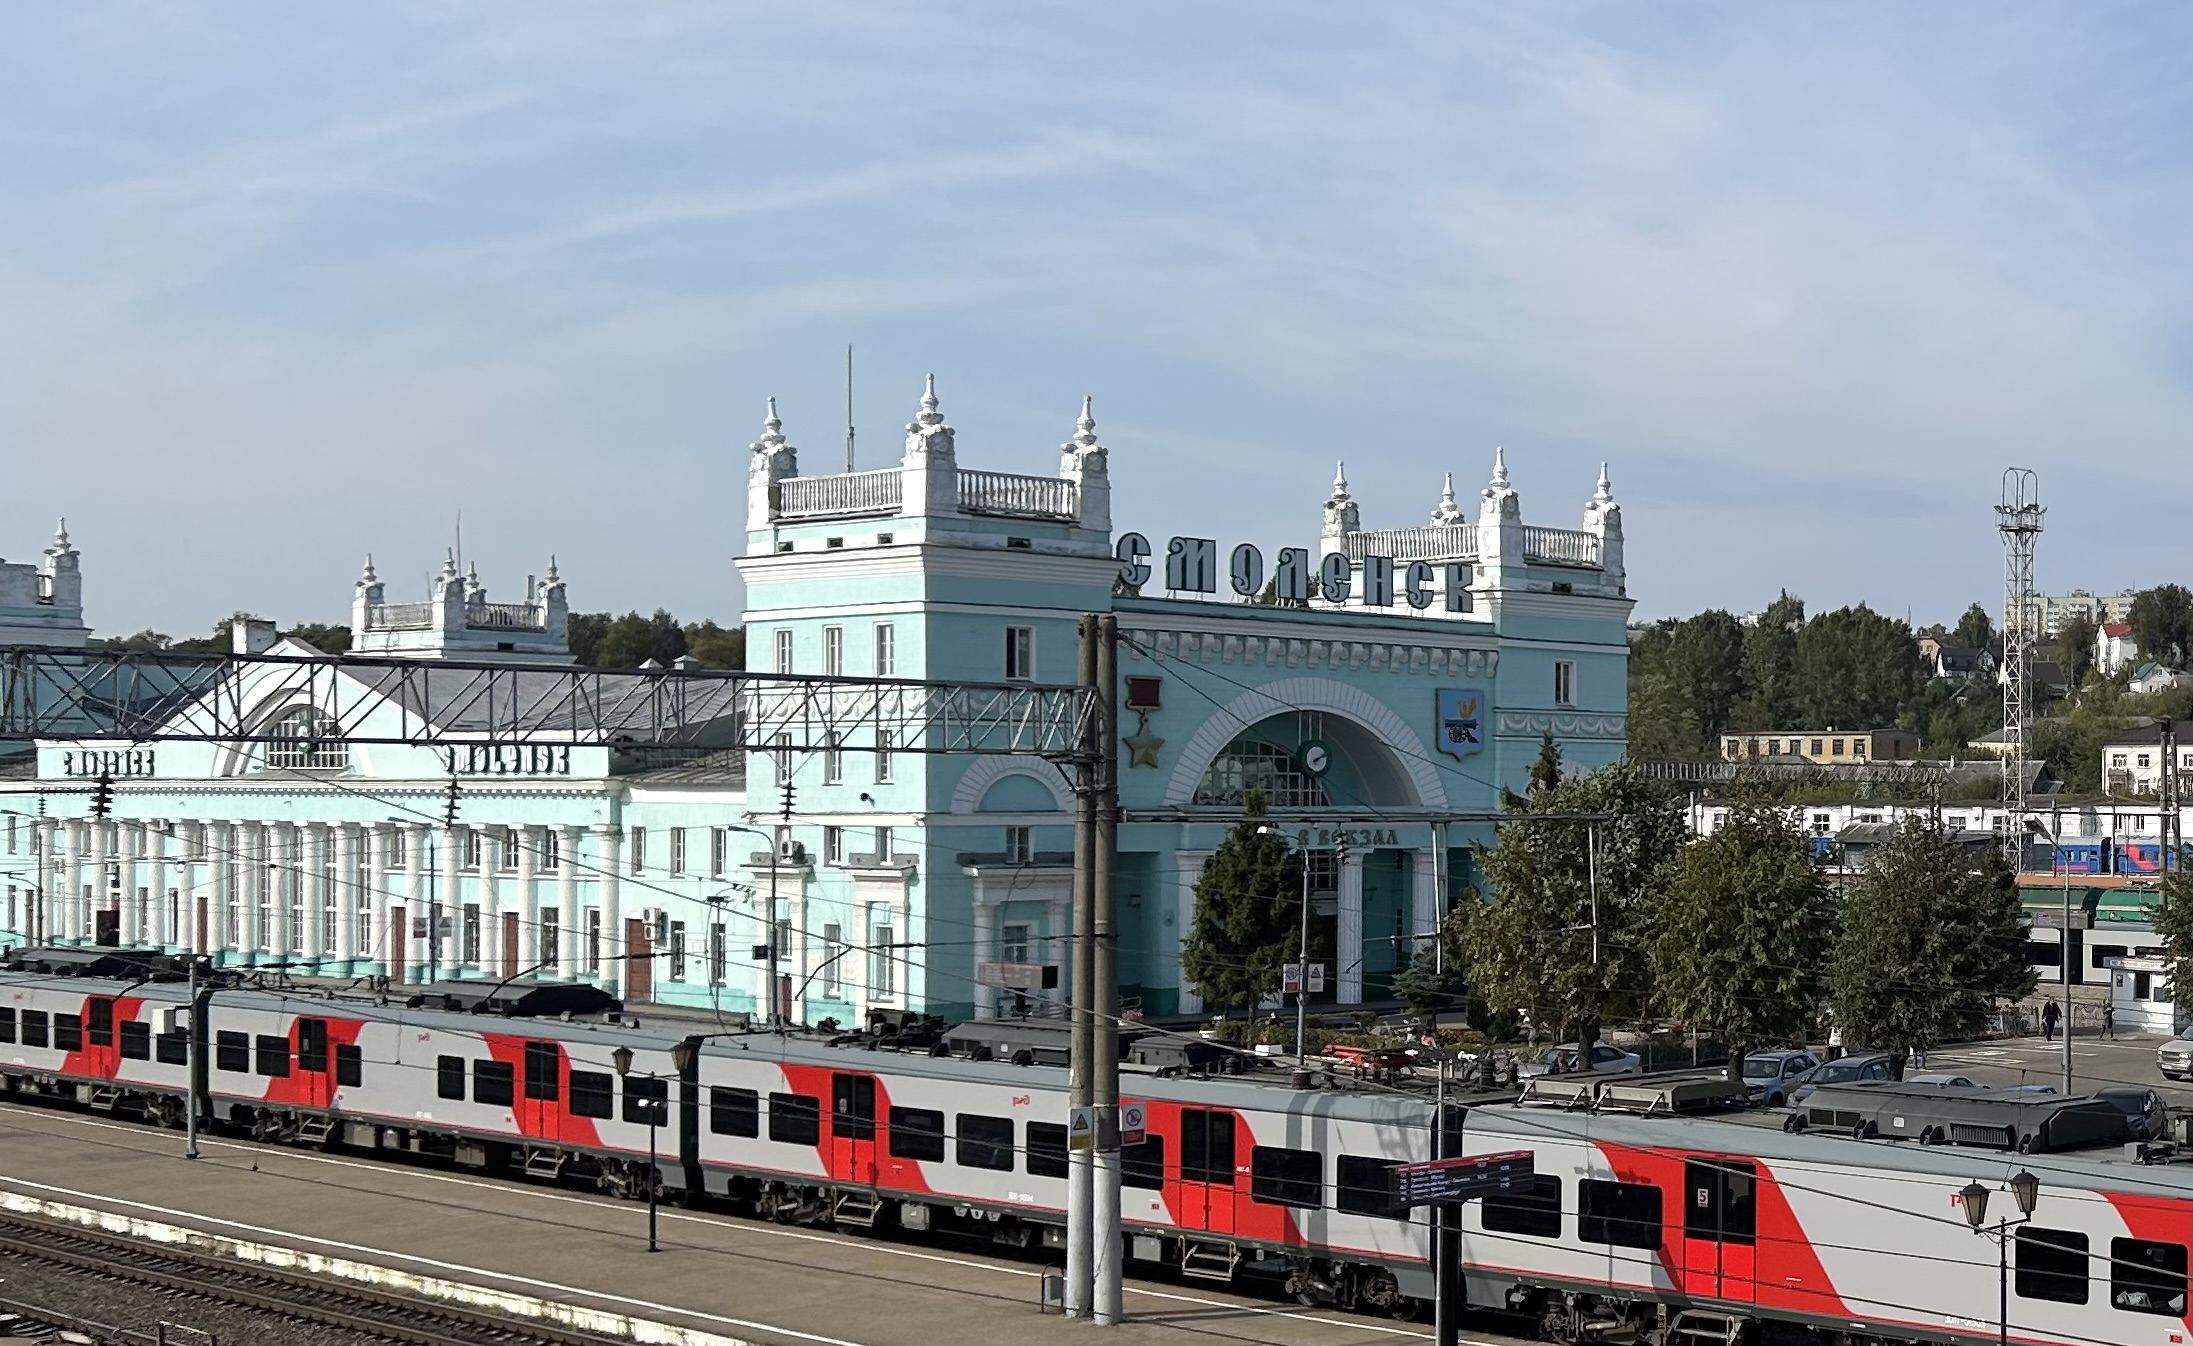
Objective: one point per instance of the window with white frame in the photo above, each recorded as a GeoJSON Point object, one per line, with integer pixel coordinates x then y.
{"type": "Point", "coordinates": [472, 848]}
{"type": "Point", "coordinates": [677, 850]}
{"type": "Point", "coordinates": [1564, 682]}
{"type": "Point", "coordinates": [677, 951]}
{"type": "Point", "coordinates": [887, 653]}
{"type": "Point", "coordinates": [1020, 653]}
{"type": "Point", "coordinates": [1019, 846]}
{"type": "Point", "coordinates": [305, 739]}
{"type": "Point", "coordinates": [1014, 942]}
{"type": "Point", "coordinates": [885, 741]}
{"type": "Point", "coordinates": [551, 936]}
{"type": "Point", "coordinates": [594, 940]}
{"type": "Point", "coordinates": [551, 849]}
{"type": "Point", "coordinates": [506, 854]}
{"type": "Point", "coordinates": [882, 958]}
{"type": "Point", "coordinates": [638, 844]}
{"type": "Point", "coordinates": [717, 954]}
{"type": "Point", "coordinates": [833, 845]}
{"type": "Point", "coordinates": [719, 851]}
{"type": "Point", "coordinates": [833, 760]}
{"type": "Point", "coordinates": [780, 747]}
{"type": "Point", "coordinates": [783, 640]}
{"type": "Point", "coordinates": [833, 961]}
{"type": "Point", "coordinates": [883, 845]}
{"type": "Point", "coordinates": [833, 651]}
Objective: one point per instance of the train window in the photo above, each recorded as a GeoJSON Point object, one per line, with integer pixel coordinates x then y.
{"type": "Point", "coordinates": [273, 1054]}
{"type": "Point", "coordinates": [541, 1072]}
{"type": "Point", "coordinates": [646, 1100]}
{"type": "Point", "coordinates": [1143, 1165]}
{"type": "Point", "coordinates": [7, 1025]}
{"type": "Point", "coordinates": [171, 1049]}
{"type": "Point", "coordinates": [1720, 1205]}
{"type": "Point", "coordinates": [494, 1083]}
{"type": "Point", "coordinates": [68, 1033]}
{"type": "Point", "coordinates": [1625, 1214]}
{"type": "Point", "coordinates": [853, 1107]}
{"type": "Point", "coordinates": [1534, 1210]}
{"type": "Point", "coordinates": [1046, 1150]}
{"type": "Point", "coordinates": [232, 1051]}
{"type": "Point", "coordinates": [734, 1112]}
{"type": "Point", "coordinates": [349, 1066]}
{"type": "Point", "coordinates": [136, 1040]}
{"type": "Point", "coordinates": [1364, 1186]}
{"type": "Point", "coordinates": [312, 1044]}
{"type": "Point", "coordinates": [917, 1133]}
{"type": "Point", "coordinates": [1206, 1146]}
{"type": "Point", "coordinates": [795, 1119]}
{"type": "Point", "coordinates": [34, 1028]}
{"type": "Point", "coordinates": [2050, 1264]}
{"type": "Point", "coordinates": [102, 1021]}
{"type": "Point", "coordinates": [985, 1142]}
{"type": "Point", "coordinates": [2147, 1277]}
{"type": "Point", "coordinates": [592, 1094]}
{"type": "Point", "coordinates": [1282, 1177]}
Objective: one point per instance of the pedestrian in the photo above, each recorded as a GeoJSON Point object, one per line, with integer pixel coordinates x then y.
{"type": "Point", "coordinates": [1835, 1043]}
{"type": "Point", "coordinates": [2051, 1015]}
{"type": "Point", "coordinates": [2109, 1019]}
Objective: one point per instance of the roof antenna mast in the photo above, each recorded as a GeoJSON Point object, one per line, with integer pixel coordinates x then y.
{"type": "Point", "coordinates": [849, 407]}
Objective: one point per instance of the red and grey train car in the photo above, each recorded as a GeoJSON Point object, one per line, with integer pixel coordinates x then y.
{"type": "Point", "coordinates": [1633, 1229]}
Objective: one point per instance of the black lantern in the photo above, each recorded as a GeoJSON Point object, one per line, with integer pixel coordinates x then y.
{"type": "Point", "coordinates": [1975, 1204]}
{"type": "Point", "coordinates": [2026, 1190]}
{"type": "Point", "coordinates": [681, 1056]}
{"type": "Point", "coordinates": [622, 1060]}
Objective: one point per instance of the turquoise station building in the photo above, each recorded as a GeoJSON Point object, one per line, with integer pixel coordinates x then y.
{"type": "Point", "coordinates": [1379, 685]}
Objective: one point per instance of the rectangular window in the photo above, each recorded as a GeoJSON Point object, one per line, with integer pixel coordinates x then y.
{"type": "Point", "coordinates": [472, 848]}
{"type": "Point", "coordinates": [795, 1119]}
{"type": "Point", "coordinates": [1364, 1186]}
{"type": "Point", "coordinates": [677, 850]}
{"type": "Point", "coordinates": [1719, 1205]}
{"type": "Point", "coordinates": [887, 650]}
{"type": "Point", "coordinates": [494, 1083]}
{"type": "Point", "coordinates": [833, 845]}
{"type": "Point", "coordinates": [449, 1077]}
{"type": "Point", "coordinates": [1013, 942]}
{"type": "Point", "coordinates": [593, 939]}
{"type": "Point", "coordinates": [1815, 747]}
{"type": "Point", "coordinates": [1625, 1214]}
{"type": "Point", "coordinates": [1534, 1210]}
{"type": "Point", "coordinates": [1283, 1177]}
{"type": "Point", "coordinates": [593, 1094]}
{"type": "Point", "coordinates": [68, 1033]}
{"type": "Point", "coordinates": [551, 936]}
{"type": "Point", "coordinates": [506, 851]}
{"type": "Point", "coordinates": [1838, 747]}
{"type": "Point", "coordinates": [349, 1066]}
{"type": "Point", "coordinates": [1143, 1165]}
{"type": "Point", "coordinates": [273, 1055]}
{"type": "Point", "coordinates": [734, 1112]}
{"type": "Point", "coordinates": [885, 741]}
{"type": "Point", "coordinates": [853, 1107]}
{"type": "Point", "coordinates": [551, 849]}
{"type": "Point", "coordinates": [833, 961]}
{"type": "Point", "coordinates": [136, 1040]}
{"type": "Point", "coordinates": [784, 651]}
{"type": "Point", "coordinates": [917, 1133]}
{"type": "Point", "coordinates": [719, 851]}
{"type": "Point", "coordinates": [985, 1142]}
{"type": "Point", "coordinates": [718, 953]}
{"type": "Point", "coordinates": [469, 945]}
{"type": "Point", "coordinates": [7, 1025]}
{"type": "Point", "coordinates": [102, 1021]}
{"type": "Point", "coordinates": [883, 845]}
{"type": "Point", "coordinates": [677, 951]}
{"type": "Point", "coordinates": [882, 960]}
{"type": "Point", "coordinates": [1207, 1146]}
{"type": "Point", "coordinates": [1046, 1150]}
{"type": "Point", "coordinates": [646, 1100]}
{"type": "Point", "coordinates": [833, 651]}
{"type": "Point", "coordinates": [780, 747]}
{"type": "Point", "coordinates": [171, 1049]}
{"type": "Point", "coordinates": [638, 846]}
{"type": "Point", "coordinates": [232, 1052]}
{"type": "Point", "coordinates": [2147, 1277]}
{"type": "Point", "coordinates": [542, 1071]}
{"type": "Point", "coordinates": [833, 760]}
{"type": "Point", "coordinates": [1564, 682]}
{"type": "Point", "coordinates": [1020, 846]}
{"type": "Point", "coordinates": [35, 1029]}
{"type": "Point", "coordinates": [2050, 1264]}
{"type": "Point", "coordinates": [312, 1045]}
{"type": "Point", "coordinates": [1020, 653]}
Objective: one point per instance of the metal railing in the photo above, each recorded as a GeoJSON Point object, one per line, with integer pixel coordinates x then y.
{"type": "Point", "coordinates": [875, 492]}
{"type": "Point", "coordinates": [505, 617]}
{"type": "Point", "coordinates": [400, 617]}
{"type": "Point", "coordinates": [1426, 542]}
{"type": "Point", "coordinates": [1019, 497]}
{"type": "Point", "coordinates": [1560, 546]}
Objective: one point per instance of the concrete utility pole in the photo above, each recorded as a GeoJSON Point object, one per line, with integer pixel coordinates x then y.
{"type": "Point", "coordinates": [1104, 990]}
{"type": "Point", "coordinates": [1081, 1158]}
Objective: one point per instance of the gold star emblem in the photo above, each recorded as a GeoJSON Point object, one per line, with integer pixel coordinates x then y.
{"type": "Point", "coordinates": [1142, 745]}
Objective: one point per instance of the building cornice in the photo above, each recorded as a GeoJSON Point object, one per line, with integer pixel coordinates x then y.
{"type": "Point", "coordinates": [1273, 646]}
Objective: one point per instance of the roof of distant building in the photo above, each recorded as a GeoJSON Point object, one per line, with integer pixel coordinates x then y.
{"type": "Point", "coordinates": [2116, 630]}
{"type": "Point", "coordinates": [1950, 659]}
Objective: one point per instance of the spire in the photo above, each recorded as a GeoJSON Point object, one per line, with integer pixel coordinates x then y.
{"type": "Point", "coordinates": [61, 534]}
{"type": "Point", "coordinates": [772, 431]}
{"type": "Point", "coordinates": [552, 577]}
{"type": "Point", "coordinates": [1499, 466]}
{"type": "Point", "coordinates": [1448, 512]}
{"type": "Point", "coordinates": [1606, 487]}
{"type": "Point", "coordinates": [1085, 438]}
{"type": "Point", "coordinates": [929, 414]}
{"type": "Point", "coordinates": [928, 435]}
{"type": "Point", "coordinates": [1341, 513]}
{"type": "Point", "coordinates": [449, 563]}
{"type": "Point", "coordinates": [367, 576]}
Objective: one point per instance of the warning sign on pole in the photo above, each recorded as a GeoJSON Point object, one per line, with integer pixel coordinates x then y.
{"type": "Point", "coordinates": [1081, 1129]}
{"type": "Point", "coordinates": [1290, 978]}
{"type": "Point", "coordinates": [1317, 978]}
{"type": "Point", "coordinates": [1133, 1124]}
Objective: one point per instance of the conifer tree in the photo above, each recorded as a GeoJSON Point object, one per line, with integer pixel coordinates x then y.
{"type": "Point", "coordinates": [1248, 913]}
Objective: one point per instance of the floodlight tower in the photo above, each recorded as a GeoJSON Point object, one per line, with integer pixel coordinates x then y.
{"type": "Point", "coordinates": [2018, 519]}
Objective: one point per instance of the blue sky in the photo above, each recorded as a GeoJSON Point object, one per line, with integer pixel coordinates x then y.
{"type": "Point", "coordinates": [283, 284]}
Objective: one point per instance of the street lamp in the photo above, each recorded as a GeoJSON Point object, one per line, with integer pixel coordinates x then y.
{"type": "Point", "coordinates": [2025, 1189]}
{"type": "Point", "coordinates": [2055, 852]}
{"type": "Point", "coordinates": [1302, 960]}
{"type": "Point", "coordinates": [681, 1065]}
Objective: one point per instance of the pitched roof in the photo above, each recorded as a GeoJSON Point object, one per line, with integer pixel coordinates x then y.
{"type": "Point", "coordinates": [2116, 630]}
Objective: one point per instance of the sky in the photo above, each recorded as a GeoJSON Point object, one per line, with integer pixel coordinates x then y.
{"type": "Point", "coordinates": [282, 285]}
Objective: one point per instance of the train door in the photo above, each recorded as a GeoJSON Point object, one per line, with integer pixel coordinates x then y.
{"type": "Point", "coordinates": [853, 1128]}
{"type": "Point", "coordinates": [540, 1112]}
{"type": "Point", "coordinates": [315, 1064]}
{"type": "Point", "coordinates": [1206, 1170]}
{"type": "Point", "coordinates": [1720, 1228]}
{"type": "Point", "coordinates": [99, 1050]}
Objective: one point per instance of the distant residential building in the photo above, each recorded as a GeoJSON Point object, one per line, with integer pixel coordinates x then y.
{"type": "Point", "coordinates": [1951, 662]}
{"type": "Point", "coordinates": [2132, 761]}
{"type": "Point", "coordinates": [2053, 610]}
{"type": "Point", "coordinates": [1995, 743]}
{"type": "Point", "coordinates": [2114, 647]}
{"type": "Point", "coordinates": [2150, 678]}
{"type": "Point", "coordinates": [1823, 746]}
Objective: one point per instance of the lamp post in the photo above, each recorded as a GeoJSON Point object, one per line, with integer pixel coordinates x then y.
{"type": "Point", "coordinates": [2025, 1189]}
{"type": "Point", "coordinates": [2055, 849]}
{"type": "Point", "coordinates": [681, 1064]}
{"type": "Point", "coordinates": [1302, 960]}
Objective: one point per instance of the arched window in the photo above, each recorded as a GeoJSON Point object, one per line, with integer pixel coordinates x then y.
{"type": "Point", "coordinates": [306, 740]}
{"type": "Point", "coordinates": [1245, 764]}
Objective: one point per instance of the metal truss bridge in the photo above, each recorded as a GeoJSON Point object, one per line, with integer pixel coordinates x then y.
{"type": "Point", "coordinates": [141, 697]}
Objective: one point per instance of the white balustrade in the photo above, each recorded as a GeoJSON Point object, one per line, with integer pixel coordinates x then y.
{"type": "Point", "coordinates": [841, 493]}
{"type": "Point", "coordinates": [1020, 497]}
{"type": "Point", "coordinates": [1560, 546]}
{"type": "Point", "coordinates": [1426, 542]}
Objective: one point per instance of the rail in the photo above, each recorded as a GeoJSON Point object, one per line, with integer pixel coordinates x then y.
{"type": "Point", "coordinates": [875, 492]}
{"type": "Point", "coordinates": [400, 617]}
{"type": "Point", "coordinates": [1426, 542]}
{"type": "Point", "coordinates": [1560, 546]}
{"type": "Point", "coordinates": [505, 617]}
{"type": "Point", "coordinates": [1019, 497]}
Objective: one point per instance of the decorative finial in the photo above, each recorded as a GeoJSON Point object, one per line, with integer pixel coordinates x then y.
{"type": "Point", "coordinates": [1340, 479]}
{"type": "Point", "coordinates": [1448, 512]}
{"type": "Point", "coordinates": [929, 396]}
{"type": "Point", "coordinates": [1606, 487]}
{"type": "Point", "coordinates": [1087, 423]}
{"type": "Point", "coordinates": [553, 577]}
{"type": "Point", "coordinates": [61, 533]}
{"type": "Point", "coordinates": [770, 423]}
{"type": "Point", "coordinates": [367, 576]}
{"type": "Point", "coordinates": [1499, 466]}
{"type": "Point", "coordinates": [772, 431]}
{"type": "Point", "coordinates": [449, 563]}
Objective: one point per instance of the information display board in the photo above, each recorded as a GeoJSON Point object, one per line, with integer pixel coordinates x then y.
{"type": "Point", "coordinates": [1448, 1181]}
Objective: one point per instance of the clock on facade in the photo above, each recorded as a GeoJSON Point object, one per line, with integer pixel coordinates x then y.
{"type": "Point", "coordinates": [1313, 757]}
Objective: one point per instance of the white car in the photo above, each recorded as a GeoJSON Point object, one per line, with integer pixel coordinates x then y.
{"type": "Point", "coordinates": [1954, 1081]}
{"type": "Point", "coordinates": [1567, 1059]}
{"type": "Point", "coordinates": [2175, 1057]}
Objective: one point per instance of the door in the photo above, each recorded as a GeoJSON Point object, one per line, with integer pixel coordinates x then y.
{"type": "Point", "coordinates": [639, 961]}
{"type": "Point", "coordinates": [853, 1128]}
{"type": "Point", "coordinates": [315, 1064]}
{"type": "Point", "coordinates": [1720, 1230]}
{"type": "Point", "coordinates": [108, 927]}
{"type": "Point", "coordinates": [1207, 1170]}
{"type": "Point", "coordinates": [200, 945]}
{"type": "Point", "coordinates": [540, 1111]}
{"type": "Point", "coordinates": [510, 944]}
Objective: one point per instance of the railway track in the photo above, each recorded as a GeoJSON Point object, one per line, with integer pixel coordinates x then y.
{"type": "Point", "coordinates": [296, 1296]}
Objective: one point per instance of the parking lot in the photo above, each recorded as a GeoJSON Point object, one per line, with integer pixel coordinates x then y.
{"type": "Point", "coordinates": [2096, 1063]}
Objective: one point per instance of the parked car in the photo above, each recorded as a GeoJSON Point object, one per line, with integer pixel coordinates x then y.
{"type": "Point", "coordinates": [2145, 1116]}
{"type": "Point", "coordinates": [2175, 1057]}
{"type": "Point", "coordinates": [1769, 1076]}
{"type": "Point", "coordinates": [2027, 1089]}
{"type": "Point", "coordinates": [1567, 1059]}
{"type": "Point", "coordinates": [1845, 1070]}
{"type": "Point", "coordinates": [1937, 1077]}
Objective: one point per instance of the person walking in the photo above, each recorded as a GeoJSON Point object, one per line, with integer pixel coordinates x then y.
{"type": "Point", "coordinates": [2109, 1019]}
{"type": "Point", "coordinates": [2051, 1015]}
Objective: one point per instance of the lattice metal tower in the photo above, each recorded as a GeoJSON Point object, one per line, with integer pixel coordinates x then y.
{"type": "Point", "coordinates": [2018, 519]}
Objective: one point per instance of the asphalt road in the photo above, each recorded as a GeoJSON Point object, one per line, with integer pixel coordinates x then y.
{"type": "Point", "coordinates": [2096, 1063]}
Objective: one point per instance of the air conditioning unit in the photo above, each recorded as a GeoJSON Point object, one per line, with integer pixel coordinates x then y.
{"type": "Point", "coordinates": [658, 924]}
{"type": "Point", "coordinates": [791, 852]}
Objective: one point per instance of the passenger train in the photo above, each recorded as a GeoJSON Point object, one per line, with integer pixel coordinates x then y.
{"type": "Point", "coordinates": [1659, 1230]}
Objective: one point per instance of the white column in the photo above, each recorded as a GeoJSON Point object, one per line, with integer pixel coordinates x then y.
{"type": "Point", "coordinates": [568, 927]}
{"type": "Point", "coordinates": [157, 927]}
{"type": "Point", "coordinates": [612, 970]}
{"type": "Point", "coordinates": [1348, 943]}
{"type": "Point", "coordinates": [189, 873]}
{"type": "Point", "coordinates": [1427, 908]}
{"type": "Point", "coordinates": [321, 888]}
{"type": "Point", "coordinates": [986, 948]}
{"type": "Point", "coordinates": [101, 839]}
{"type": "Point", "coordinates": [381, 856]}
{"type": "Point", "coordinates": [492, 954]}
{"type": "Point", "coordinates": [284, 871]}
{"type": "Point", "coordinates": [76, 924]}
{"type": "Point", "coordinates": [346, 895]}
{"type": "Point", "coordinates": [448, 895]}
{"type": "Point", "coordinates": [1188, 866]}
{"type": "Point", "coordinates": [415, 911]}
{"type": "Point", "coordinates": [220, 869]}
{"type": "Point", "coordinates": [529, 898]}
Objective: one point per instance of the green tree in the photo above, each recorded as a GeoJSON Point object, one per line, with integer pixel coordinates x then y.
{"type": "Point", "coordinates": [2162, 623]}
{"type": "Point", "coordinates": [1769, 667]}
{"type": "Point", "coordinates": [1927, 943]}
{"type": "Point", "coordinates": [583, 632]}
{"type": "Point", "coordinates": [2174, 929]}
{"type": "Point", "coordinates": [1546, 769]}
{"type": "Point", "coordinates": [2075, 641]}
{"type": "Point", "coordinates": [716, 646]}
{"type": "Point", "coordinates": [147, 641]}
{"type": "Point", "coordinates": [322, 637]}
{"type": "Point", "coordinates": [1740, 936]}
{"type": "Point", "coordinates": [1975, 630]}
{"type": "Point", "coordinates": [1536, 944]}
{"type": "Point", "coordinates": [1426, 986]}
{"type": "Point", "coordinates": [1686, 678]}
{"type": "Point", "coordinates": [1855, 669]}
{"type": "Point", "coordinates": [1248, 913]}
{"type": "Point", "coordinates": [632, 640]}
